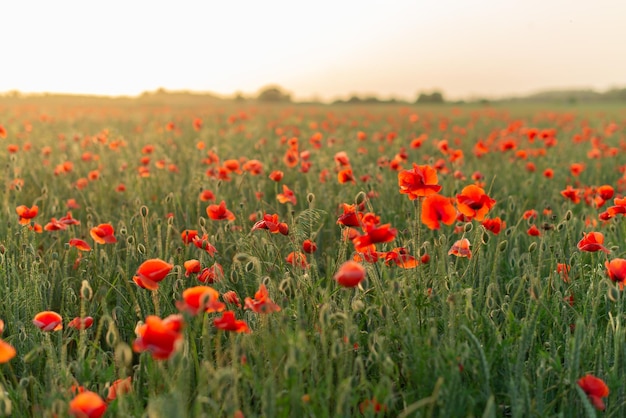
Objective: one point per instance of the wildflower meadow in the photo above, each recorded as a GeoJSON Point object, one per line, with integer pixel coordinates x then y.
{"type": "Point", "coordinates": [240, 259]}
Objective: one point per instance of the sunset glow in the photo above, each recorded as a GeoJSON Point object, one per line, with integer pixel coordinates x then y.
{"type": "Point", "coordinates": [323, 49]}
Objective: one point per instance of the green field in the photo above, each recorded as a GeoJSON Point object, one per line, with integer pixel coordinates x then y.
{"type": "Point", "coordinates": [507, 331]}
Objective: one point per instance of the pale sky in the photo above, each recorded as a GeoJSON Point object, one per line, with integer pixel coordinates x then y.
{"type": "Point", "coordinates": [326, 49]}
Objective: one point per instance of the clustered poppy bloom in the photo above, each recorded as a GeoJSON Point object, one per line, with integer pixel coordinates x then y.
{"type": "Point", "coordinates": [87, 404]}
{"type": "Point", "coordinates": [261, 302]}
{"type": "Point", "coordinates": [219, 212]}
{"type": "Point", "coordinates": [151, 272]}
{"type": "Point", "coordinates": [48, 321]}
{"type": "Point", "coordinates": [592, 242]}
{"type": "Point", "coordinates": [616, 269]}
{"type": "Point", "coordinates": [103, 234]}
{"type": "Point", "coordinates": [160, 337]}
{"type": "Point", "coordinates": [350, 274]}
{"type": "Point", "coordinates": [596, 389]}
{"type": "Point", "coordinates": [420, 181]}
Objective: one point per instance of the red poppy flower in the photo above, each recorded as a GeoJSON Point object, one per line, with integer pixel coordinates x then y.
{"type": "Point", "coordinates": [26, 214]}
{"type": "Point", "coordinates": [563, 269]}
{"type": "Point", "coordinates": [349, 217]}
{"type": "Point", "coordinates": [188, 235]}
{"type": "Point", "coordinates": [48, 321]}
{"type": "Point", "coordinates": [3, 132]}
{"type": "Point", "coordinates": [81, 323]}
{"type": "Point", "coordinates": [345, 176]}
{"type": "Point", "coordinates": [309, 246]}
{"type": "Point", "coordinates": [261, 302]}
{"type": "Point", "coordinates": [200, 299]}
{"type": "Point", "coordinates": [87, 405]}
{"type": "Point", "coordinates": [219, 212]}
{"type": "Point", "coordinates": [276, 175]}
{"type": "Point", "coordinates": [371, 405]}
{"type": "Point", "coordinates": [420, 181]}
{"type": "Point", "coordinates": [571, 194]}
{"type": "Point", "coordinates": [103, 234]}
{"type": "Point", "coordinates": [474, 203]}
{"type": "Point", "coordinates": [286, 196]}
{"type": "Point", "coordinates": [271, 223]}
{"type": "Point", "coordinates": [206, 195]}
{"type": "Point", "coordinates": [350, 274]}
{"type": "Point", "coordinates": [161, 337]}
{"type": "Point", "coordinates": [79, 244]}
{"type": "Point", "coordinates": [119, 387]}
{"type": "Point", "coordinates": [494, 225]}
{"type": "Point", "coordinates": [7, 352]}
{"type": "Point", "coordinates": [616, 269]}
{"type": "Point", "coordinates": [533, 231]}
{"type": "Point", "coordinates": [461, 248]}
{"type": "Point", "coordinates": [596, 389]}
{"type": "Point", "coordinates": [151, 272]}
{"type": "Point", "coordinates": [227, 322]}
{"type": "Point", "coordinates": [212, 274]}
{"type": "Point", "coordinates": [436, 209]}
{"type": "Point", "coordinates": [374, 234]}
{"type": "Point", "coordinates": [254, 167]}
{"type": "Point", "coordinates": [297, 259]}
{"type": "Point", "coordinates": [592, 242]}
{"type": "Point", "coordinates": [401, 258]}
{"type": "Point", "coordinates": [191, 266]}
{"type": "Point", "coordinates": [204, 244]}
{"type": "Point", "coordinates": [232, 298]}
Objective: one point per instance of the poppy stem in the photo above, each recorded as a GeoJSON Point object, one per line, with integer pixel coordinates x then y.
{"type": "Point", "coordinates": [155, 301]}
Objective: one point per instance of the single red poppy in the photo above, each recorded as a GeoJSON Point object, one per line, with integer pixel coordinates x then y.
{"type": "Point", "coordinates": [297, 259]}
{"type": "Point", "coordinates": [420, 181]}
{"type": "Point", "coordinates": [79, 244]}
{"type": "Point", "coordinates": [48, 321]}
{"type": "Point", "coordinates": [261, 302]}
{"type": "Point", "coordinates": [81, 323]}
{"type": "Point", "coordinates": [592, 242]}
{"type": "Point", "coordinates": [232, 298]}
{"type": "Point", "coordinates": [272, 224]}
{"type": "Point", "coordinates": [200, 299]}
{"type": "Point", "coordinates": [276, 175]}
{"type": "Point", "coordinates": [616, 269]}
{"type": "Point", "coordinates": [474, 203]}
{"type": "Point", "coordinates": [461, 248]}
{"type": "Point", "coordinates": [151, 272]}
{"type": "Point", "coordinates": [309, 246]}
{"type": "Point", "coordinates": [350, 274]}
{"type": "Point", "coordinates": [286, 196]}
{"type": "Point", "coordinates": [219, 212]}
{"type": "Point", "coordinates": [212, 274]}
{"type": "Point", "coordinates": [161, 337]}
{"type": "Point", "coordinates": [227, 322]}
{"type": "Point", "coordinates": [401, 258]}
{"type": "Point", "coordinates": [191, 266]}
{"type": "Point", "coordinates": [596, 389]}
{"type": "Point", "coordinates": [437, 209]}
{"type": "Point", "coordinates": [119, 387]}
{"type": "Point", "coordinates": [188, 235]}
{"type": "Point", "coordinates": [87, 404]}
{"type": "Point", "coordinates": [494, 225]}
{"type": "Point", "coordinates": [26, 214]}
{"type": "Point", "coordinates": [103, 234]}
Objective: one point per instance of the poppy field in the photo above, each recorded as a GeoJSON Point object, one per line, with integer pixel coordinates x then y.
{"type": "Point", "coordinates": [246, 260]}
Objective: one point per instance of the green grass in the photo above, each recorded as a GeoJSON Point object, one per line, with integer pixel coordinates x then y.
{"type": "Point", "coordinates": [494, 335]}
